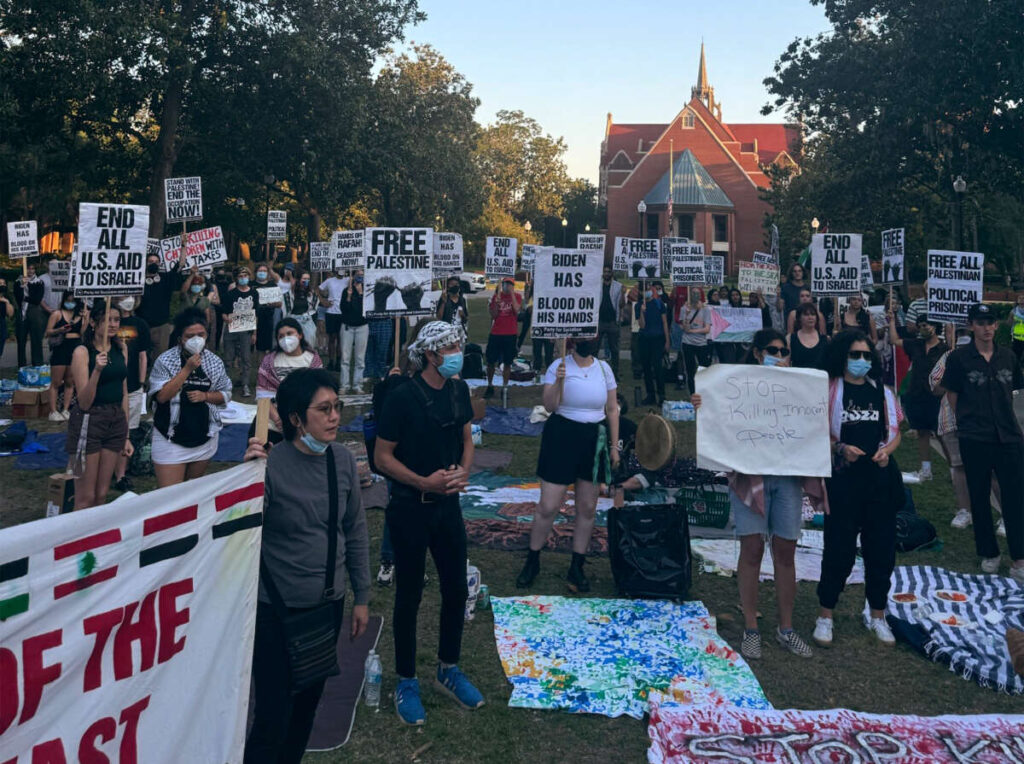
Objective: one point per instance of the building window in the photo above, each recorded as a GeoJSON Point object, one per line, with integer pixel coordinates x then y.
{"type": "Point", "coordinates": [684, 226]}
{"type": "Point", "coordinates": [652, 226]}
{"type": "Point", "coordinates": [721, 227]}
{"type": "Point", "coordinates": [688, 118]}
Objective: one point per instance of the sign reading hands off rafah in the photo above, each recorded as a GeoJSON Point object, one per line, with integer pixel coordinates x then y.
{"type": "Point", "coordinates": [762, 420]}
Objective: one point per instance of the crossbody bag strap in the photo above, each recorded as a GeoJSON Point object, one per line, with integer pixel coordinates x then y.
{"type": "Point", "coordinates": [332, 523]}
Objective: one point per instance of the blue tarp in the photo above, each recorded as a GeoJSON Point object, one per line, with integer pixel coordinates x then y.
{"type": "Point", "coordinates": [512, 421]}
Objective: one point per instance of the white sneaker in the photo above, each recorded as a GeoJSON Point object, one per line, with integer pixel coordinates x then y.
{"type": "Point", "coordinates": [65, 415]}
{"type": "Point", "coordinates": [1001, 528]}
{"type": "Point", "coordinates": [991, 564]}
{"type": "Point", "coordinates": [882, 631]}
{"type": "Point", "coordinates": [55, 416]}
{"type": "Point", "coordinates": [962, 519]}
{"type": "Point", "coordinates": [823, 632]}
{"type": "Point", "coordinates": [925, 473]}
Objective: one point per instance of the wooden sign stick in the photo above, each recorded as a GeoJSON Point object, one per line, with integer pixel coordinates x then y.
{"type": "Point", "coordinates": [262, 419]}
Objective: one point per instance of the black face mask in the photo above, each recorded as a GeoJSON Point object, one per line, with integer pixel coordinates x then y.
{"type": "Point", "coordinates": [453, 290]}
{"type": "Point", "coordinates": [586, 348]}
{"type": "Point", "coordinates": [607, 279]}
{"type": "Point", "coordinates": [221, 277]}
{"type": "Point", "coordinates": [152, 268]}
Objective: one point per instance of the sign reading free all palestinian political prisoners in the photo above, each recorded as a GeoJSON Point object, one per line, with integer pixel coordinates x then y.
{"type": "Point", "coordinates": [758, 276]}
{"type": "Point", "coordinates": [448, 254]}
{"type": "Point", "coordinates": [277, 225]}
{"type": "Point", "coordinates": [321, 257]}
{"type": "Point", "coordinates": [954, 284]}
{"type": "Point", "coordinates": [127, 631]}
{"type": "Point", "coordinates": [892, 256]}
{"type": "Point", "coordinates": [500, 257]}
{"type": "Point", "coordinates": [688, 733]}
{"type": "Point", "coordinates": [348, 249]}
{"type": "Point", "coordinates": [835, 264]}
{"type": "Point", "coordinates": [22, 239]}
{"type": "Point", "coordinates": [567, 292]}
{"type": "Point", "coordinates": [687, 267]}
{"type": "Point", "coordinates": [761, 420]}
{"type": "Point", "coordinates": [184, 199]}
{"type": "Point", "coordinates": [399, 272]}
{"type": "Point", "coordinates": [112, 246]}
{"type": "Point", "coordinates": [639, 258]}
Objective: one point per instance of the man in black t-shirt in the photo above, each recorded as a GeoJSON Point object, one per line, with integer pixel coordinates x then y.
{"type": "Point", "coordinates": [424, 445]}
{"type": "Point", "coordinates": [155, 308]}
{"type": "Point", "coordinates": [240, 306]}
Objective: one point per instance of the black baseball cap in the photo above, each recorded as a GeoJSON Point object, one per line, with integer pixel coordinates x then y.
{"type": "Point", "coordinates": [980, 312]}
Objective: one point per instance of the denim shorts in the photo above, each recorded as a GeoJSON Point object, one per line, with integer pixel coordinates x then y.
{"type": "Point", "coordinates": [783, 510]}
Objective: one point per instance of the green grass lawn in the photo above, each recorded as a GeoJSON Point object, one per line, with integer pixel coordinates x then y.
{"type": "Point", "coordinates": [857, 673]}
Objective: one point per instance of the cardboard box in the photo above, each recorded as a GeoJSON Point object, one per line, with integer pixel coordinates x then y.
{"type": "Point", "coordinates": [60, 494]}
{"type": "Point", "coordinates": [28, 404]}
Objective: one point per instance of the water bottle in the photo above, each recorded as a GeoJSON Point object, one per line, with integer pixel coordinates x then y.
{"type": "Point", "coordinates": [372, 679]}
{"type": "Point", "coordinates": [473, 584]}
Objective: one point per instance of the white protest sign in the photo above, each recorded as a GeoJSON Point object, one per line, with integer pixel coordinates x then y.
{"type": "Point", "coordinates": [128, 629]}
{"type": "Point", "coordinates": [184, 199]}
{"type": "Point", "coordinates": [590, 242]}
{"type": "Point", "coordinates": [270, 295]}
{"type": "Point", "coordinates": [835, 264]}
{"type": "Point", "coordinates": [500, 257]}
{"type": "Point", "coordinates": [277, 225]}
{"type": "Point", "coordinates": [153, 248]}
{"type": "Point", "coordinates": [639, 258]}
{"type": "Point", "coordinates": [399, 272]}
{"type": "Point", "coordinates": [763, 420]}
{"type": "Point", "coordinates": [734, 324]}
{"type": "Point", "coordinates": [321, 257]}
{"type": "Point", "coordinates": [531, 252]}
{"type": "Point", "coordinates": [22, 239]}
{"type": "Point", "coordinates": [714, 270]}
{"type": "Point", "coordinates": [243, 314]}
{"type": "Point", "coordinates": [671, 246]}
{"type": "Point", "coordinates": [60, 274]}
{"type": "Point", "coordinates": [687, 268]}
{"type": "Point", "coordinates": [867, 278]}
{"type": "Point", "coordinates": [567, 293]}
{"type": "Point", "coordinates": [892, 256]}
{"type": "Point", "coordinates": [112, 246]}
{"type": "Point", "coordinates": [447, 255]}
{"type": "Point", "coordinates": [758, 276]}
{"type": "Point", "coordinates": [348, 249]}
{"type": "Point", "coordinates": [206, 248]}
{"type": "Point", "coordinates": [954, 284]}
{"type": "Point", "coordinates": [764, 258]}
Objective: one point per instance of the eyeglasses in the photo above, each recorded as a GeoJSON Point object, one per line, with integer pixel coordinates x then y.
{"type": "Point", "coordinates": [863, 354]}
{"type": "Point", "coordinates": [775, 350]}
{"type": "Point", "coordinates": [327, 408]}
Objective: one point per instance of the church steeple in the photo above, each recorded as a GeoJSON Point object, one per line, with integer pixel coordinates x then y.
{"type": "Point", "coordinates": [703, 91]}
{"type": "Point", "coordinates": [702, 73]}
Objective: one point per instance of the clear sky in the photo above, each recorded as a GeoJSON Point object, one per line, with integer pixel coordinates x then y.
{"type": "Point", "coordinates": [567, 63]}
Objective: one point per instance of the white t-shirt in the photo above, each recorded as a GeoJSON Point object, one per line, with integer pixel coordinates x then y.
{"type": "Point", "coordinates": [334, 287]}
{"type": "Point", "coordinates": [586, 389]}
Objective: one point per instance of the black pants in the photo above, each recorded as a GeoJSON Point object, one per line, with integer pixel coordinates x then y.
{"type": "Point", "coordinates": [30, 332]}
{"type": "Point", "coordinates": [416, 527]}
{"type": "Point", "coordinates": [860, 500]}
{"type": "Point", "coordinates": [981, 459]}
{"type": "Point", "coordinates": [281, 721]}
{"type": "Point", "coordinates": [608, 335]}
{"type": "Point", "coordinates": [543, 354]}
{"type": "Point", "coordinates": [694, 355]}
{"type": "Point", "coordinates": [635, 356]}
{"type": "Point", "coordinates": [652, 348]}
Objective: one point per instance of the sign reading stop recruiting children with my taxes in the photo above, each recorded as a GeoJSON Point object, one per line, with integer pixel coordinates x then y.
{"type": "Point", "coordinates": [835, 264]}
{"type": "Point", "coordinates": [761, 420]}
{"type": "Point", "coordinates": [567, 291]}
{"type": "Point", "coordinates": [639, 258]}
{"type": "Point", "coordinates": [22, 239]}
{"type": "Point", "coordinates": [399, 272]}
{"type": "Point", "coordinates": [183, 198]}
{"type": "Point", "coordinates": [447, 255]}
{"type": "Point", "coordinates": [112, 245]}
{"type": "Point", "coordinates": [206, 248]}
{"type": "Point", "coordinates": [500, 260]}
{"type": "Point", "coordinates": [954, 284]}
{"type": "Point", "coordinates": [892, 256]}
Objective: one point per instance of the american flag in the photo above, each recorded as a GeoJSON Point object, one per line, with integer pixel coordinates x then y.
{"type": "Point", "coordinates": [670, 211]}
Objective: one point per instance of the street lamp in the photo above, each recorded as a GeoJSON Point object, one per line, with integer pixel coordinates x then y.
{"type": "Point", "coordinates": [815, 224]}
{"type": "Point", "coordinates": [587, 228]}
{"type": "Point", "coordinates": [565, 225]}
{"type": "Point", "coordinates": [960, 186]}
{"type": "Point", "coordinates": [641, 208]}
{"type": "Point", "coordinates": [528, 226]}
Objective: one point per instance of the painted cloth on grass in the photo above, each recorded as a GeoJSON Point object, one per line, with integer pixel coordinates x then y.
{"type": "Point", "coordinates": [611, 656]}
{"type": "Point", "coordinates": [722, 556]}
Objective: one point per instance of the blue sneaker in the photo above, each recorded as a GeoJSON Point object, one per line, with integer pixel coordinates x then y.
{"type": "Point", "coordinates": [407, 702]}
{"type": "Point", "coordinates": [454, 683]}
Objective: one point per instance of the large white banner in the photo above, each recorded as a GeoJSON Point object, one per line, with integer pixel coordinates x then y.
{"type": "Point", "coordinates": [127, 629]}
{"type": "Point", "coordinates": [892, 256]}
{"type": "Point", "coordinates": [22, 239]}
{"type": "Point", "coordinates": [567, 293]}
{"type": "Point", "coordinates": [348, 249]}
{"type": "Point", "coordinates": [954, 284]}
{"type": "Point", "coordinates": [448, 254]}
{"type": "Point", "coordinates": [763, 420]}
{"type": "Point", "coordinates": [399, 275]}
{"type": "Point", "coordinates": [639, 258]}
{"type": "Point", "coordinates": [184, 199]}
{"type": "Point", "coordinates": [835, 264]}
{"type": "Point", "coordinates": [112, 246]}
{"type": "Point", "coordinates": [500, 257]}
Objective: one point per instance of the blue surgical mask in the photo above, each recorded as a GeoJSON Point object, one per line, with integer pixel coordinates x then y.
{"type": "Point", "coordinates": [69, 305]}
{"type": "Point", "coordinates": [451, 365]}
{"type": "Point", "coordinates": [261, 276]}
{"type": "Point", "coordinates": [244, 281]}
{"type": "Point", "coordinates": [359, 279]}
{"type": "Point", "coordinates": [858, 367]}
{"type": "Point", "coordinates": [196, 288]}
{"type": "Point", "coordinates": [771, 360]}
{"type": "Point", "coordinates": [314, 445]}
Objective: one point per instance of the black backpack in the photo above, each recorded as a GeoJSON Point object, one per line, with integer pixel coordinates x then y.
{"type": "Point", "coordinates": [473, 362]}
{"type": "Point", "coordinates": [649, 547]}
{"type": "Point", "coordinates": [912, 531]}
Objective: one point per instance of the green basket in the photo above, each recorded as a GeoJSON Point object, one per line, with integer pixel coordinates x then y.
{"type": "Point", "coordinates": [706, 506]}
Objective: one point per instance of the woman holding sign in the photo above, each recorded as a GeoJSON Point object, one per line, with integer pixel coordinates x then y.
{"type": "Point", "coordinates": [580, 445]}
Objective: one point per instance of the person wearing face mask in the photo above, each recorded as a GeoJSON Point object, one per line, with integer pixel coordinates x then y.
{"type": "Point", "coordinates": [301, 303]}
{"type": "Point", "coordinates": [579, 445]}
{"type": "Point", "coordinates": [292, 353]}
{"type": "Point", "coordinates": [222, 283]}
{"type": "Point", "coordinates": [695, 320]}
{"type": "Point", "coordinates": [504, 308]}
{"type": "Point", "coordinates": [330, 293]}
{"type": "Point", "coordinates": [189, 386]}
{"type": "Point", "coordinates": [425, 447]}
{"type": "Point", "coordinates": [654, 341]}
{"type": "Point", "coordinates": [608, 330]}
{"type": "Point", "coordinates": [452, 307]}
{"type": "Point", "coordinates": [29, 291]}
{"type": "Point", "coordinates": [198, 293]}
{"type": "Point", "coordinates": [268, 312]}
{"type": "Point", "coordinates": [155, 306]}
{"type": "Point", "coordinates": [769, 507]}
{"type": "Point", "coordinates": [866, 489]}
{"type": "Point", "coordinates": [354, 334]}
{"type": "Point", "coordinates": [64, 328]}
{"type": "Point", "coordinates": [242, 300]}
{"type": "Point", "coordinates": [134, 334]}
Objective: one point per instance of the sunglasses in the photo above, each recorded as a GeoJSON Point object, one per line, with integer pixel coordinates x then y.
{"type": "Point", "coordinates": [773, 350]}
{"type": "Point", "coordinates": [327, 408]}
{"type": "Point", "coordinates": [855, 354]}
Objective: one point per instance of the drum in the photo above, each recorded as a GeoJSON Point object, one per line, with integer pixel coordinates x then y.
{"type": "Point", "coordinates": [655, 443]}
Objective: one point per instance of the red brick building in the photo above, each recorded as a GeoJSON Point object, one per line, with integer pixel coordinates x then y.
{"type": "Point", "coordinates": [718, 171]}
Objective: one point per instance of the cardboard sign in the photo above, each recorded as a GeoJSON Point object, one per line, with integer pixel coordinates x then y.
{"type": "Point", "coordinates": [734, 324]}
{"type": "Point", "coordinates": [321, 257]}
{"type": "Point", "coordinates": [112, 245]}
{"type": "Point", "coordinates": [348, 250]}
{"type": "Point", "coordinates": [183, 198]}
{"type": "Point", "coordinates": [567, 293]}
{"type": "Point", "coordinates": [954, 284]}
{"type": "Point", "coordinates": [22, 239]}
{"type": "Point", "coordinates": [243, 315]}
{"type": "Point", "coordinates": [764, 258]}
{"type": "Point", "coordinates": [500, 257]}
{"type": "Point", "coordinates": [758, 276]}
{"type": "Point", "coordinates": [399, 272]}
{"type": "Point", "coordinates": [892, 256]}
{"type": "Point", "coordinates": [714, 270]}
{"type": "Point", "coordinates": [762, 420]}
{"type": "Point", "coordinates": [269, 295]}
{"type": "Point", "coordinates": [639, 258]}
{"type": "Point", "coordinates": [277, 225]}
{"type": "Point", "coordinates": [867, 278]}
{"type": "Point", "coordinates": [118, 619]}
{"type": "Point", "coordinates": [590, 242]}
{"type": "Point", "coordinates": [60, 274]}
{"type": "Point", "coordinates": [835, 264]}
{"type": "Point", "coordinates": [447, 255]}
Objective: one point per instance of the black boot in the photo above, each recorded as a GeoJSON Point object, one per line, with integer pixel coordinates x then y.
{"type": "Point", "coordinates": [530, 569]}
{"type": "Point", "coordinates": [577, 579]}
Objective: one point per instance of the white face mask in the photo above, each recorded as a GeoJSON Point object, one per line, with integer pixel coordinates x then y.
{"type": "Point", "coordinates": [127, 304]}
{"type": "Point", "coordinates": [288, 343]}
{"type": "Point", "coordinates": [195, 345]}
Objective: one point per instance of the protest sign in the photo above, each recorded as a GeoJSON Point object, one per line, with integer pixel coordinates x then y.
{"type": "Point", "coordinates": [687, 269]}
{"type": "Point", "coordinates": [112, 245]}
{"type": "Point", "coordinates": [673, 248]}
{"type": "Point", "coordinates": [531, 253]}
{"type": "Point", "coordinates": [60, 274]}
{"type": "Point", "coordinates": [270, 295]}
{"type": "Point", "coordinates": [762, 420]}
{"type": "Point", "coordinates": [763, 258]}
{"type": "Point", "coordinates": [892, 256]}
{"type": "Point", "coordinates": [243, 316]}
{"type": "Point", "coordinates": [954, 284]}
{"type": "Point", "coordinates": [321, 257]}
{"type": "Point", "coordinates": [567, 293]}
{"type": "Point", "coordinates": [22, 239]}
{"type": "Point", "coordinates": [277, 225]}
{"type": "Point", "coordinates": [399, 273]}
{"type": "Point", "coordinates": [758, 276]}
{"type": "Point", "coordinates": [590, 242]}
{"type": "Point", "coordinates": [867, 278]}
{"type": "Point", "coordinates": [127, 630]}
{"type": "Point", "coordinates": [206, 248]}
{"type": "Point", "coordinates": [183, 198]}
{"type": "Point", "coordinates": [500, 257]}
{"type": "Point", "coordinates": [835, 264]}
{"type": "Point", "coordinates": [153, 248]}
{"type": "Point", "coordinates": [447, 255]}
{"type": "Point", "coordinates": [714, 270]}
{"type": "Point", "coordinates": [348, 250]}
{"type": "Point", "coordinates": [639, 258]}
{"type": "Point", "coordinates": [734, 324]}
{"type": "Point", "coordinates": [689, 733]}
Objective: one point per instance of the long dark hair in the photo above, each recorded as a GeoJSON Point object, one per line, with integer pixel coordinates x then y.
{"type": "Point", "coordinates": [99, 313]}
{"type": "Point", "coordinates": [79, 308]}
{"type": "Point", "coordinates": [291, 322]}
{"type": "Point", "coordinates": [837, 351]}
{"type": "Point", "coordinates": [762, 339]}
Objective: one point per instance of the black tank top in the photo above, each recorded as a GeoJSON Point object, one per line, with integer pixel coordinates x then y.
{"type": "Point", "coordinates": [110, 387]}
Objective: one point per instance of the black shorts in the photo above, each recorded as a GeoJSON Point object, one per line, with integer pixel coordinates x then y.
{"type": "Point", "coordinates": [60, 354]}
{"type": "Point", "coordinates": [333, 323]}
{"type": "Point", "coordinates": [922, 411]}
{"type": "Point", "coordinates": [568, 451]}
{"type": "Point", "coordinates": [501, 348]}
